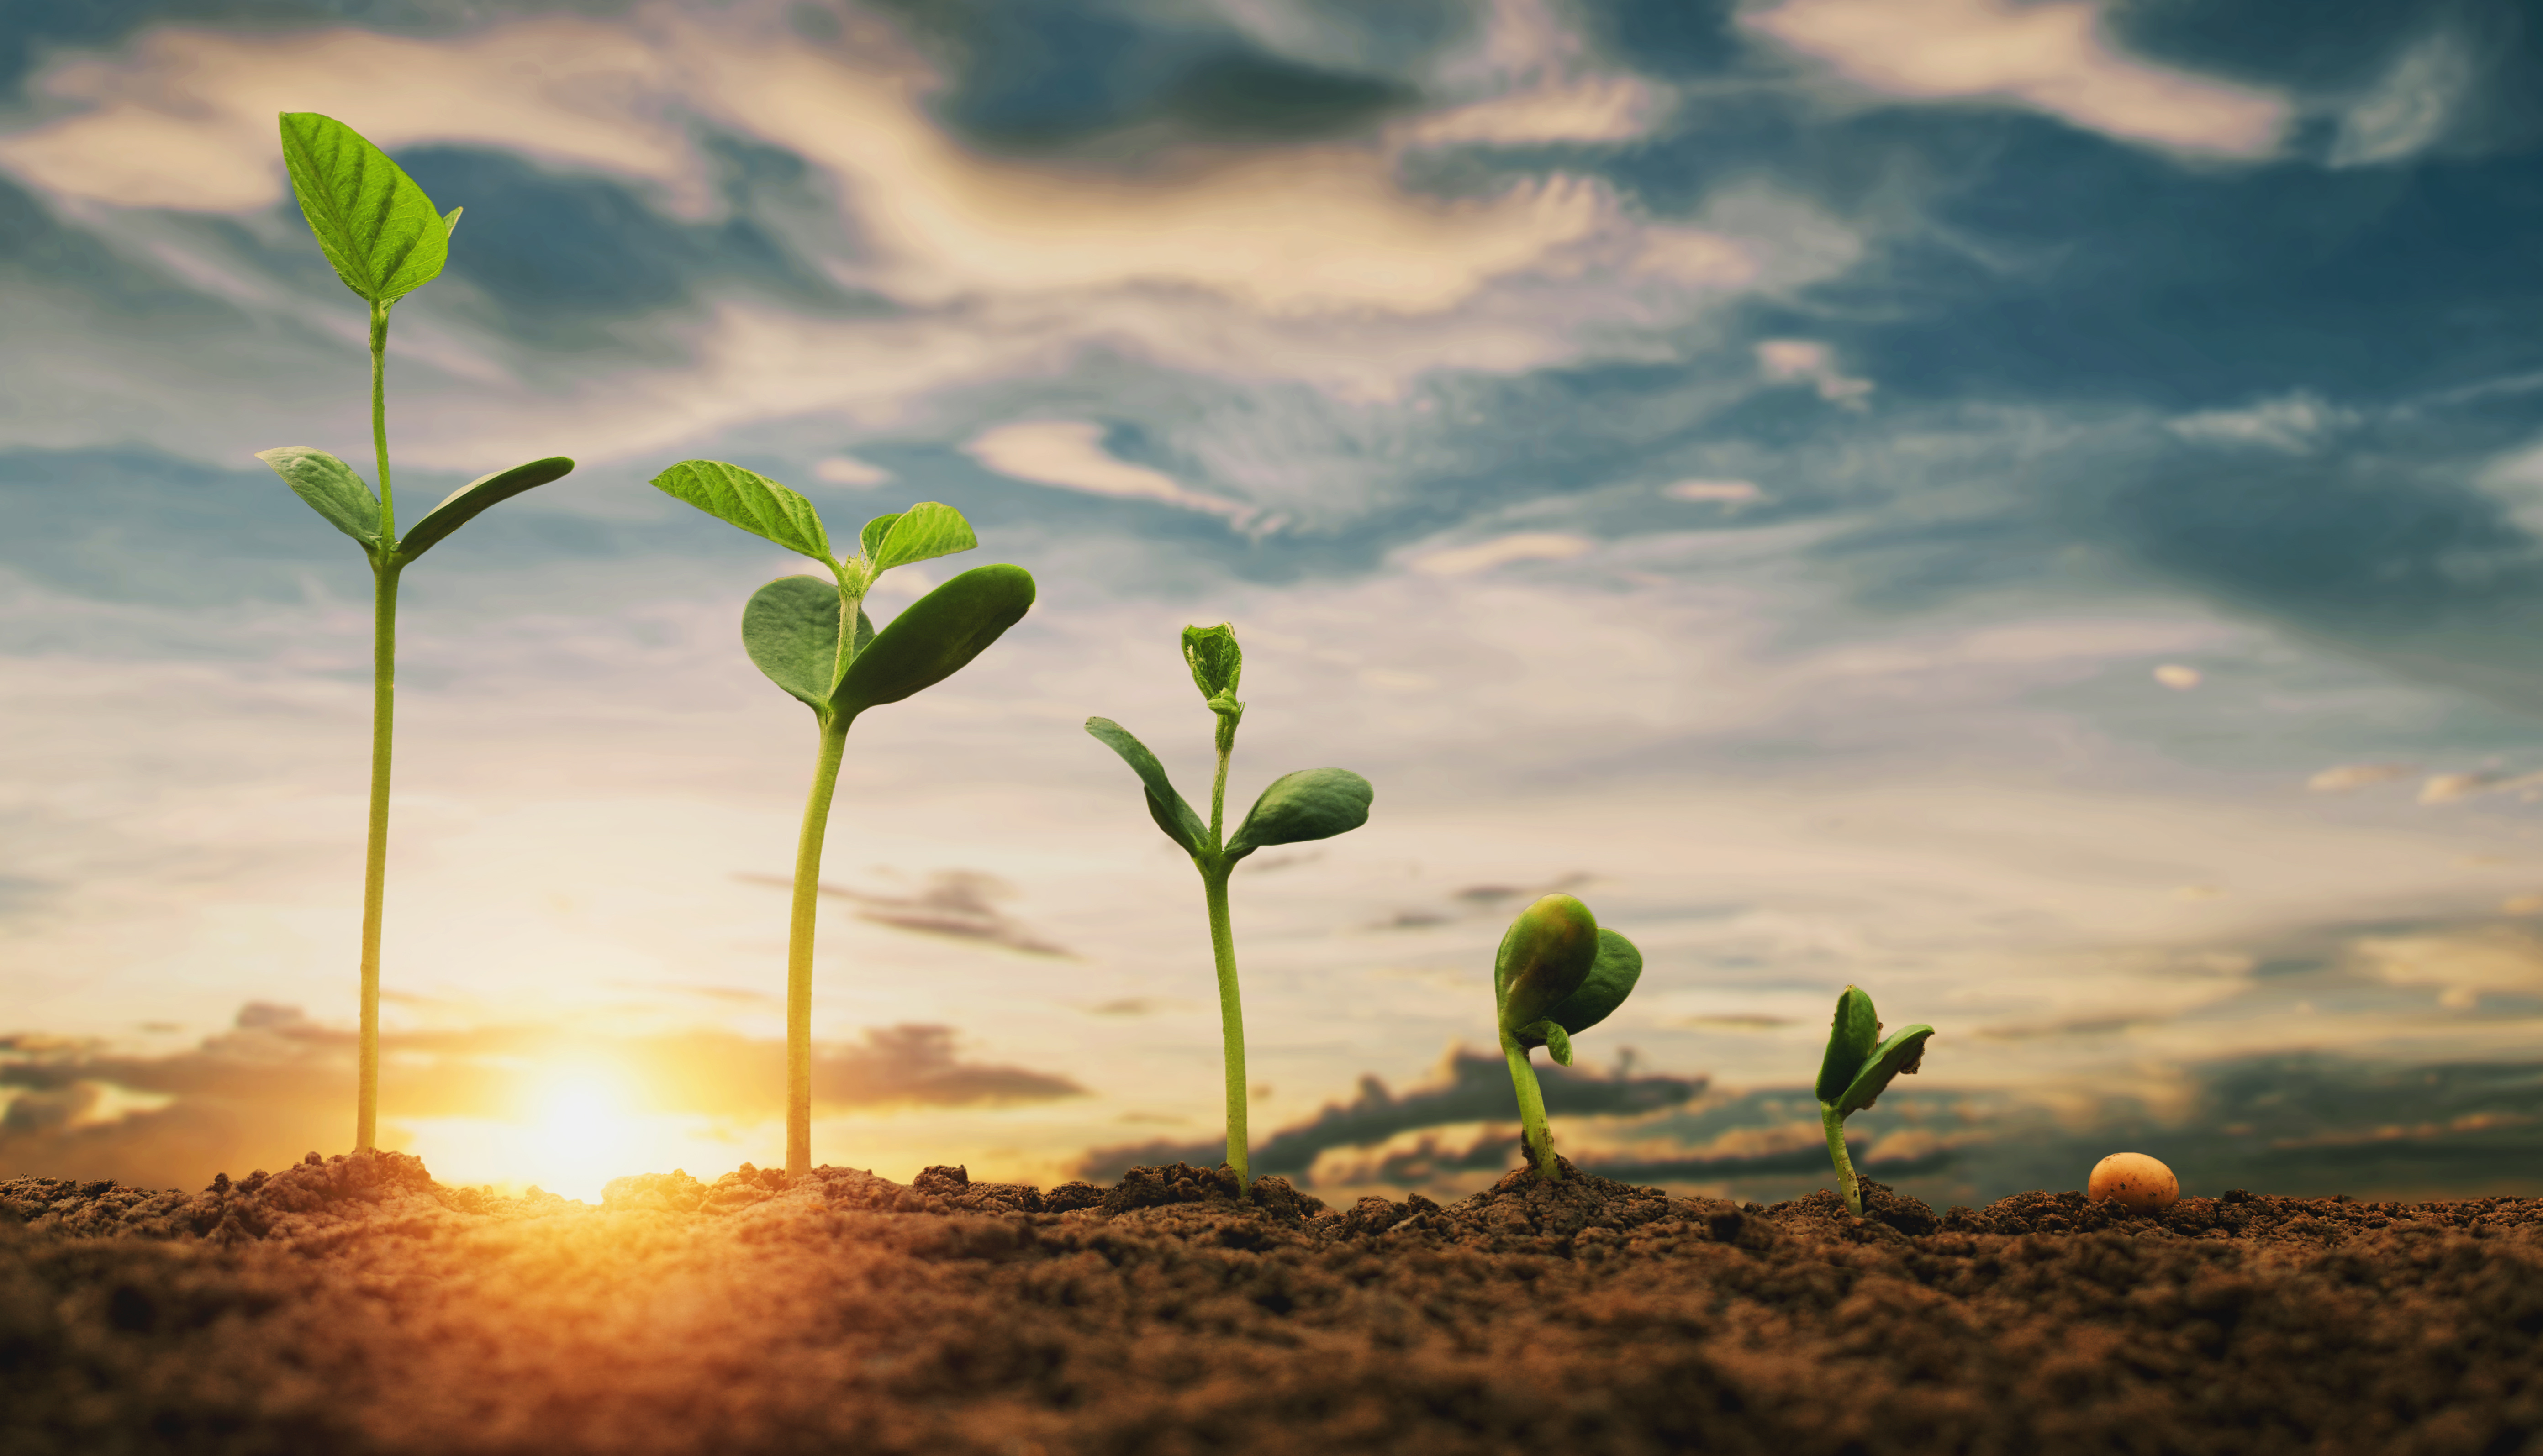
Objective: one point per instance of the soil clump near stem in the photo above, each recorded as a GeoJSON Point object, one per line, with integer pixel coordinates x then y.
{"type": "Point", "coordinates": [354, 1305]}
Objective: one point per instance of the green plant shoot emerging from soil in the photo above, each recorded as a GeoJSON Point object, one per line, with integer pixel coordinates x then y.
{"type": "Point", "coordinates": [1857, 1069]}
{"type": "Point", "coordinates": [1556, 975]}
{"type": "Point", "coordinates": [385, 240]}
{"type": "Point", "coordinates": [1311, 804]}
{"type": "Point", "coordinates": [812, 639]}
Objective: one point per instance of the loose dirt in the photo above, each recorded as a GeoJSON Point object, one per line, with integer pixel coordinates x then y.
{"type": "Point", "coordinates": [353, 1304]}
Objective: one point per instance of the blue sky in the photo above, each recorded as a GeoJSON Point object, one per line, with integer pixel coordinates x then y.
{"type": "Point", "coordinates": [2029, 509]}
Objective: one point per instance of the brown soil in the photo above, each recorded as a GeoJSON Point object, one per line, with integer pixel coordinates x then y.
{"type": "Point", "coordinates": [353, 1305]}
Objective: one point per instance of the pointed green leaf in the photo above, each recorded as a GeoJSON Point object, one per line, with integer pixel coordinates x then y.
{"type": "Point", "coordinates": [1610, 980]}
{"type": "Point", "coordinates": [1165, 806]}
{"type": "Point", "coordinates": [378, 229]}
{"type": "Point", "coordinates": [1311, 804]}
{"type": "Point", "coordinates": [1900, 1056]}
{"type": "Point", "coordinates": [1215, 660]}
{"type": "Point", "coordinates": [1549, 1034]}
{"type": "Point", "coordinates": [935, 636]}
{"type": "Point", "coordinates": [751, 502]}
{"type": "Point", "coordinates": [791, 628]}
{"type": "Point", "coordinates": [922, 532]}
{"type": "Point", "coordinates": [450, 222]}
{"type": "Point", "coordinates": [331, 490]}
{"type": "Point", "coordinates": [464, 504]}
{"type": "Point", "coordinates": [1543, 958]}
{"type": "Point", "coordinates": [872, 536]}
{"type": "Point", "coordinates": [1850, 1038]}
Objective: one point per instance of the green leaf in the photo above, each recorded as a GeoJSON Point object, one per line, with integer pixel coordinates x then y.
{"type": "Point", "coordinates": [1543, 958]}
{"type": "Point", "coordinates": [1610, 980]}
{"type": "Point", "coordinates": [872, 536]}
{"type": "Point", "coordinates": [920, 533]}
{"type": "Point", "coordinates": [935, 636]}
{"type": "Point", "coordinates": [376, 227]}
{"type": "Point", "coordinates": [464, 504]}
{"type": "Point", "coordinates": [1850, 1039]}
{"type": "Point", "coordinates": [331, 490]}
{"type": "Point", "coordinates": [1215, 660]}
{"type": "Point", "coordinates": [751, 502]}
{"type": "Point", "coordinates": [1311, 804]}
{"type": "Point", "coordinates": [1549, 1034]}
{"type": "Point", "coordinates": [1900, 1056]}
{"type": "Point", "coordinates": [1165, 806]}
{"type": "Point", "coordinates": [450, 221]}
{"type": "Point", "coordinates": [791, 628]}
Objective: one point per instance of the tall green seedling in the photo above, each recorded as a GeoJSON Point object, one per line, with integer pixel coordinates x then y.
{"type": "Point", "coordinates": [1311, 804]}
{"type": "Point", "coordinates": [1856, 1070]}
{"type": "Point", "coordinates": [813, 638]}
{"type": "Point", "coordinates": [386, 240]}
{"type": "Point", "coordinates": [1556, 974]}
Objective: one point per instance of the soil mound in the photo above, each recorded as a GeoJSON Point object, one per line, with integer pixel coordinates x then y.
{"type": "Point", "coordinates": [350, 1304]}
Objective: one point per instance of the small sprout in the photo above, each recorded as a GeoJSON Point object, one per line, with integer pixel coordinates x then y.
{"type": "Point", "coordinates": [1556, 974]}
{"type": "Point", "coordinates": [1312, 804]}
{"type": "Point", "coordinates": [385, 240]}
{"type": "Point", "coordinates": [796, 629]}
{"type": "Point", "coordinates": [2134, 1182]}
{"type": "Point", "coordinates": [1857, 1069]}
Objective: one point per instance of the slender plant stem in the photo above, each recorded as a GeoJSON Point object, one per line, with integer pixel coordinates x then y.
{"type": "Point", "coordinates": [1531, 1110]}
{"type": "Point", "coordinates": [1218, 786]}
{"type": "Point", "coordinates": [1231, 1017]}
{"type": "Point", "coordinates": [380, 421]}
{"type": "Point", "coordinates": [376, 854]}
{"type": "Point", "coordinates": [799, 949]}
{"type": "Point", "coordinates": [1835, 1122]}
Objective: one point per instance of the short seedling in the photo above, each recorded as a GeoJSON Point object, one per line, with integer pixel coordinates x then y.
{"type": "Point", "coordinates": [385, 240]}
{"type": "Point", "coordinates": [1557, 973]}
{"type": "Point", "coordinates": [1857, 1069]}
{"type": "Point", "coordinates": [797, 630]}
{"type": "Point", "coordinates": [1311, 804]}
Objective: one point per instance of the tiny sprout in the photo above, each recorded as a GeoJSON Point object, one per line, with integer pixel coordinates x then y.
{"type": "Point", "coordinates": [1856, 1071]}
{"type": "Point", "coordinates": [1311, 804]}
{"type": "Point", "coordinates": [812, 639]}
{"type": "Point", "coordinates": [385, 239]}
{"type": "Point", "coordinates": [1556, 974]}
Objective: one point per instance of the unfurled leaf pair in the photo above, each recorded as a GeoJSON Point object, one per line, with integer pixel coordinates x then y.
{"type": "Point", "coordinates": [1856, 1070]}
{"type": "Point", "coordinates": [337, 493]}
{"type": "Point", "coordinates": [1556, 974]}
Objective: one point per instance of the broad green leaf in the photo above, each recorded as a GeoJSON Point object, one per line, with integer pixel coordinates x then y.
{"type": "Point", "coordinates": [464, 504]}
{"type": "Point", "coordinates": [331, 490]}
{"type": "Point", "coordinates": [1165, 806]}
{"type": "Point", "coordinates": [920, 533]}
{"type": "Point", "coordinates": [1850, 1038]}
{"type": "Point", "coordinates": [1900, 1056]}
{"type": "Point", "coordinates": [751, 502]}
{"type": "Point", "coordinates": [1215, 660]}
{"type": "Point", "coordinates": [1548, 1033]}
{"type": "Point", "coordinates": [935, 636]}
{"type": "Point", "coordinates": [378, 229]}
{"type": "Point", "coordinates": [872, 536]}
{"type": "Point", "coordinates": [1311, 804]}
{"type": "Point", "coordinates": [791, 628]}
{"type": "Point", "coordinates": [1545, 956]}
{"type": "Point", "coordinates": [1610, 980]}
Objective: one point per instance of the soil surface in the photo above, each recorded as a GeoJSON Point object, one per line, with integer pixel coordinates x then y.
{"type": "Point", "coordinates": [352, 1304]}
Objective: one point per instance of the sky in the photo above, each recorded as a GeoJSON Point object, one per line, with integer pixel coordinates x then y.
{"type": "Point", "coordinates": [2031, 510]}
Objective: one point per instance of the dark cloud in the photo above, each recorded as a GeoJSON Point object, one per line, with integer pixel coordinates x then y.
{"type": "Point", "coordinates": [956, 904]}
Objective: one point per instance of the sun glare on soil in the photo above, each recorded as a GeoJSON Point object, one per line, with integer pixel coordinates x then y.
{"type": "Point", "coordinates": [574, 1132]}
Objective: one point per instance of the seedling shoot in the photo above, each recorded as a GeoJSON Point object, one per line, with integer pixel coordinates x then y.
{"type": "Point", "coordinates": [385, 240]}
{"type": "Point", "coordinates": [813, 638]}
{"type": "Point", "coordinates": [1856, 1070]}
{"type": "Point", "coordinates": [1311, 804]}
{"type": "Point", "coordinates": [1556, 974]}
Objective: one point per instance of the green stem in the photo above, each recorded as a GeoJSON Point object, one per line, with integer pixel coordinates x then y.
{"type": "Point", "coordinates": [1834, 1123]}
{"type": "Point", "coordinates": [1231, 1017]}
{"type": "Point", "coordinates": [380, 421]}
{"type": "Point", "coordinates": [799, 949]}
{"type": "Point", "coordinates": [1531, 1110]}
{"type": "Point", "coordinates": [375, 853]}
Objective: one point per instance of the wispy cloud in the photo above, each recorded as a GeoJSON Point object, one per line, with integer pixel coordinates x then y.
{"type": "Point", "coordinates": [1500, 551]}
{"type": "Point", "coordinates": [2410, 108]}
{"type": "Point", "coordinates": [1070, 453]}
{"type": "Point", "coordinates": [2297, 424]}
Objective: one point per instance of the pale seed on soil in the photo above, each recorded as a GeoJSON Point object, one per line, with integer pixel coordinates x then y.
{"type": "Point", "coordinates": [2134, 1182]}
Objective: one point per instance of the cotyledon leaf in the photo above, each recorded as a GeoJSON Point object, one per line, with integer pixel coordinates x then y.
{"type": "Point", "coordinates": [1610, 980]}
{"type": "Point", "coordinates": [1896, 1057]}
{"type": "Point", "coordinates": [750, 500]}
{"type": "Point", "coordinates": [922, 532]}
{"type": "Point", "coordinates": [935, 636]}
{"type": "Point", "coordinates": [331, 490]}
{"type": "Point", "coordinates": [467, 502]}
{"type": "Point", "coordinates": [1165, 806]}
{"type": "Point", "coordinates": [377, 228]}
{"type": "Point", "coordinates": [1851, 1034]}
{"type": "Point", "coordinates": [1311, 804]}
{"type": "Point", "coordinates": [791, 628]}
{"type": "Point", "coordinates": [1543, 958]}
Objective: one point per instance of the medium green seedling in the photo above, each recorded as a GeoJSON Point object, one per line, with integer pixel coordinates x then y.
{"type": "Point", "coordinates": [1556, 974]}
{"type": "Point", "coordinates": [796, 629]}
{"type": "Point", "coordinates": [386, 240]}
{"type": "Point", "coordinates": [1857, 1069]}
{"type": "Point", "coordinates": [1311, 804]}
